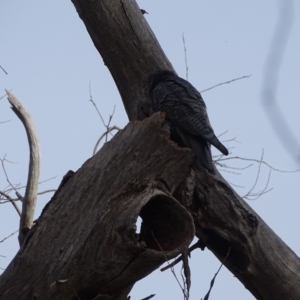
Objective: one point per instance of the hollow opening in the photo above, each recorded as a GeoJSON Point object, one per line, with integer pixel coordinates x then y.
{"type": "Point", "coordinates": [165, 224]}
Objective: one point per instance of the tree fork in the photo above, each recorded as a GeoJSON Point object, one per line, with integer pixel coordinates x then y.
{"type": "Point", "coordinates": [267, 267]}
{"type": "Point", "coordinates": [64, 254]}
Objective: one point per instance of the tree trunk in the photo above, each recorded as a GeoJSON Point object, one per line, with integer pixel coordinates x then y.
{"type": "Point", "coordinates": [85, 243]}
{"type": "Point", "coordinates": [267, 267]}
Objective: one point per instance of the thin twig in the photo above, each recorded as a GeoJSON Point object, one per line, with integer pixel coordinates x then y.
{"type": "Point", "coordinates": [107, 126]}
{"type": "Point", "coordinates": [185, 59]}
{"type": "Point", "coordinates": [12, 186]}
{"type": "Point", "coordinates": [46, 180]}
{"type": "Point", "coordinates": [5, 173]}
{"type": "Point", "coordinates": [95, 105]}
{"type": "Point", "coordinates": [226, 82]}
{"type": "Point", "coordinates": [2, 122]}
{"type": "Point", "coordinates": [187, 272]}
{"type": "Point", "coordinates": [18, 187]}
{"type": "Point", "coordinates": [149, 297]}
{"type": "Point", "coordinates": [12, 202]}
{"type": "Point", "coordinates": [197, 245]}
{"type": "Point", "coordinates": [46, 191]}
{"type": "Point", "coordinates": [213, 280]}
{"type": "Point", "coordinates": [4, 70]}
{"type": "Point", "coordinates": [108, 123]}
{"type": "Point", "coordinates": [103, 135]}
{"type": "Point", "coordinates": [257, 176]}
{"type": "Point", "coordinates": [256, 160]}
{"type": "Point", "coordinates": [172, 269]}
{"type": "Point", "coordinates": [8, 236]}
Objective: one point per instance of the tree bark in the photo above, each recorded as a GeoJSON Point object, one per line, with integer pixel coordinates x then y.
{"type": "Point", "coordinates": [85, 246]}
{"type": "Point", "coordinates": [29, 199]}
{"type": "Point", "coordinates": [128, 47]}
{"type": "Point", "coordinates": [85, 243]}
{"type": "Point", "coordinates": [267, 267]}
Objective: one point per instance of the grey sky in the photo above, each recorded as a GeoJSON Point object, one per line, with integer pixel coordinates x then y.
{"type": "Point", "coordinates": [50, 60]}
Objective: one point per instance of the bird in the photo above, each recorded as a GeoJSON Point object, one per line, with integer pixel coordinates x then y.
{"type": "Point", "coordinates": [186, 114]}
{"type": "Point", "coordinates": [144, 12]}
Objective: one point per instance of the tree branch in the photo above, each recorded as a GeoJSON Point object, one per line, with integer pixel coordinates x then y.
{"type": "Point", "coordinates": [258, 258]}
{"type": "Point", "coordinates": [12, 202]}
{"type": "Point", "coordinates": [129, 65]}
{"type": "Point", "coordinates": [29, 200]}
{"type": "Point", "coordinates": [98, 251]}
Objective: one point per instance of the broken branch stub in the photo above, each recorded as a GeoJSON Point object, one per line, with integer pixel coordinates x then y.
{"type": "Point", "coordinates": [29, 200]}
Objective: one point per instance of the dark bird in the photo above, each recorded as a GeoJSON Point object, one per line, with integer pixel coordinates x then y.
{"type": "Point", "coordinates": [186, 114]}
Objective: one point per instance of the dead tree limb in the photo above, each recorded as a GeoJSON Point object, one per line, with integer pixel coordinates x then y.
{"type": "Point", "coordinates": [86, 240]}
{"type": "Point", "coordinates": [85, 245]}
{"type": "Point", "coordinates": [110, 24]}
{"type": "Point", "coordinates": [259, 258]}
{"type": "Point", "coordinates": [29, 200]}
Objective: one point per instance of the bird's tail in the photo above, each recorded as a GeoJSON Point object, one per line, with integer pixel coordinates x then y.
{"type": "Point", "coordinates": [215, 141]}
{"type": "Point", "coordinates": [202, 151]}
{"type": "Point", "coordinates": [200, 147]}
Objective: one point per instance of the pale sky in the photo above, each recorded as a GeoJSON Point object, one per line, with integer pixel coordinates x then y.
{"type": "Point", "coordinates": [50, 60]}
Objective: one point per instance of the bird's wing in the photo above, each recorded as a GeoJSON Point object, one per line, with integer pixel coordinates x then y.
{"type": "Point", "coordinates": [185, 108]}
{"type": "Point", "coordinates": [201, 149]}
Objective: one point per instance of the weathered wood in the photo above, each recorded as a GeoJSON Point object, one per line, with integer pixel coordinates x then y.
{"type": "Point", "coordinates": [224, 222]}
{"type": "Point", "coordinates": [258, 258]}
{"type": "Point", "coordinates": [86, 243]}
{"type": "Point", "coordinates": [142, 174]}
{"type": "Point", "coordinates": [128, 47]}
{"type": "Point", "coordinates": [30, 197]}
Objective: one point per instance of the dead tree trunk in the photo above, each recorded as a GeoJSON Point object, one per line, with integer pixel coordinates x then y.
{"type": "Point", "coordinates": [267, 267]}
{"type": "Point", "coordinates": [85, 245]}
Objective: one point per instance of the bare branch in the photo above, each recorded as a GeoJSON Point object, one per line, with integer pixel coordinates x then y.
{"type": "Point", "coordinates": [103, 135]}
{"type": "Point", "coordinates": [12, 202]}
{"type": "Point", "coordinates": [185, 59]}
{"type": "Point", "coordinates": [95, 105]}
{"type": "Point", "coordinates": [2, 122]}
{"type": "Point", "coordinates": [109, 120]}
{"type": "Point", "coordinates": [197, 245]}
{"type": "Point", "coordinates": [213, 280]}
{"type": "Point", "coordinates": [9, 236]}
{"type": "Point", "coordinates": [30, 197]}
{"type": "Point", "coordinates": [108, 129]}
{"type": "Point", "coordinates": [46, 191]}
{"type": "Point", "coordinates": [149, 297]}
{"type": "Point", "coordinates": [257, 161]}
{"type": "Point", "coordinates": [172, 268]}
{"type": "Point", "coordinates": [43, 181]}
{"type": "Point", "coordinates": [226, 82]}
{"type": "Point", "coordinates": [249, 193]}
{"type": "Point", "coordinates": [13, 187]}
{"type": "Point", "coordinates": [4, 70]}
{"type": "Point", "coordinates": [187, 272]}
